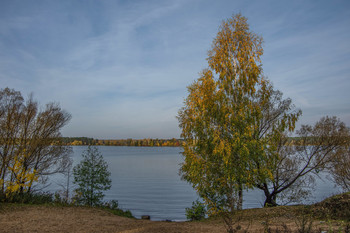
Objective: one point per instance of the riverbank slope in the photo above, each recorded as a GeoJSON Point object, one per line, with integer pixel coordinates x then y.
{"type": "Point", "coordinates": [328, 214]}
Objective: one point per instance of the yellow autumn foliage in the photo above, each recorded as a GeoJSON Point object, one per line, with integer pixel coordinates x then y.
{"type": "Point", "coordinates": [22, 177]}
{"type": "Point", "coordinates": [218, 117]}
{"type": "Point", "coordinates": [229, 122]}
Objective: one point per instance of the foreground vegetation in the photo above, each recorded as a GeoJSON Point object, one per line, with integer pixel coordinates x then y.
{"type": "Point", "coordinates": [55, 200]}
{"type": "Point", "coordinates": [330, 215]}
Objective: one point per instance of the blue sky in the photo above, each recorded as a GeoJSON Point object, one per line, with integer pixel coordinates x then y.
{"type": "Point", "coordinates": [121, 68]}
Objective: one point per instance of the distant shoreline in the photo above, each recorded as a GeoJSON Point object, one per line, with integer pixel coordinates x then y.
{"type": "Point", "coordinates": [147, 142]}
{"type": "Point", "coordinates": [124, 146]}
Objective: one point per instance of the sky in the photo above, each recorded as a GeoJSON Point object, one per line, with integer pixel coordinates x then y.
{"type": "Point", "coordinates": [121, 68]}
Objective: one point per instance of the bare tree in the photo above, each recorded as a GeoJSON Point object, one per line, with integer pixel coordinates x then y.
{"type": "Point", "coordinates": [287, 168]}
{"type": "Point", "coordinates": [340, 170]}
{"type": "Point", "coordinates": [33, 138]}
{"type": "Point", "coordinates": [11, 104]}
{"type": "Point", "coordinates": [313, 152]}
{"type": "Point", "coordinates": [65, 192]}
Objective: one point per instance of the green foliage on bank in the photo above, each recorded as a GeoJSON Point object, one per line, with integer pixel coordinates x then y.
{"type": "Point", "coordinates": [55, 199]}
{"type": "Point", "coordinates": [196, 212]}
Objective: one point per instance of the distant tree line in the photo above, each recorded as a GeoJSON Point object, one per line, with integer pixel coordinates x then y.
{"type": "Point", "coordinates": [80, 141]}
{"type": "Point", "coordinates": [85, 141]}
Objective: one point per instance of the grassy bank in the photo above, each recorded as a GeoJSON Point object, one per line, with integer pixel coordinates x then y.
{"type": "Point", "coordinates": [330, 215]}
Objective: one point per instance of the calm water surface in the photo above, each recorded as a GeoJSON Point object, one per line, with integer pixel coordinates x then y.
{"type": "Point", "coordinates": [146, 181]}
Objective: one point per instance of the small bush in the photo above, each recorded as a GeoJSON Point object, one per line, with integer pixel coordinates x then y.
{"type": "Point", "coordinates": [196, 212]}
{"type": "Point", "coordinates": [61, 200]}
{"type": "Point", "coordinates": [113, 204]}
{"type": "Point", "coordinates": [113, 207]}
{"type": "Point", "coordinates": [304, 224]}
{"type": "Point", "coordinates": [122, 213]}
{"type": "Point", "coordinates": [347, 228]}
{"type": "Point", "coordinates": [32, 198]}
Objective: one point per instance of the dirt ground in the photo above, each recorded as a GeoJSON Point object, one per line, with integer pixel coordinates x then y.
{"type": "Point", "coordinates": [28, 218]}
{"type": "Point", "coordinates": [80, 219]}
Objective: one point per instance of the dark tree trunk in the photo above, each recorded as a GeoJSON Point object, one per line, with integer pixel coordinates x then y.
{"type": "Point", "coordinates": [270, 200]}
{"type": "Point", "coordinates": [240, 198]}
{"type": "Point", "coordinates": [270, 197]}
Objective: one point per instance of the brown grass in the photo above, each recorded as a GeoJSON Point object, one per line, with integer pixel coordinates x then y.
{"type": "Point", "coordinates": [26, 218]}
{"type": "Point", "coordinates": [31, 218]}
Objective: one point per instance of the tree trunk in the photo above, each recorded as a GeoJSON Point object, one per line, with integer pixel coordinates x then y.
{"type": "Point", "coordinates": [240, 198]}
{"type": "Point", "coordinates": [270, 197]}
{"type": "Point", "coordinates": [270, 200]}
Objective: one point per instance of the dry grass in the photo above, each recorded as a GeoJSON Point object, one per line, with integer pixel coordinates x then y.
{"type": "Point", "coordinates": [335, 207]}
{"type": "Point", "coordinates": [25, 218]}
{"type": "Point", "coordinates": [31, 218]}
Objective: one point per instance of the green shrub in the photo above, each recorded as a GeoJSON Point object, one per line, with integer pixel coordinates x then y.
{"type": "Point", "coordinates": [60, 200]}
{"type": "Point", "coordinates": [113, 207]}
{"type": "Point", "coordinates": [196, 212]}
{"type": "Point", "coordinates": [32, 198]}
{"type": "Point", "coordinates": [123, 213]}
{"type": "Point", "coordinates": [113, 204]}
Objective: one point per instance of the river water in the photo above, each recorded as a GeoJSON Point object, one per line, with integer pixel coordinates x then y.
{"type": "Point", "coordinates": [146, 181]}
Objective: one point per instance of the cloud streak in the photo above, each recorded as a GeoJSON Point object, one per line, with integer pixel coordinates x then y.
{"type": "Point", "coordinates": [121, 68]}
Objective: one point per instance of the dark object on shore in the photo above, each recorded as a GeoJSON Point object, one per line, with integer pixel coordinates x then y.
{"type": "Point", "coordinates": [146, 217]}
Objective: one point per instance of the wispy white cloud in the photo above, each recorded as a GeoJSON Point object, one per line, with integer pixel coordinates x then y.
{"type": "Point", "coordinates": [121, 68]}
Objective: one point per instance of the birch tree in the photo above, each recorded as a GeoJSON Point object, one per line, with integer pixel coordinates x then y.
{"type": "Point", "coordinates": [218, 118]}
